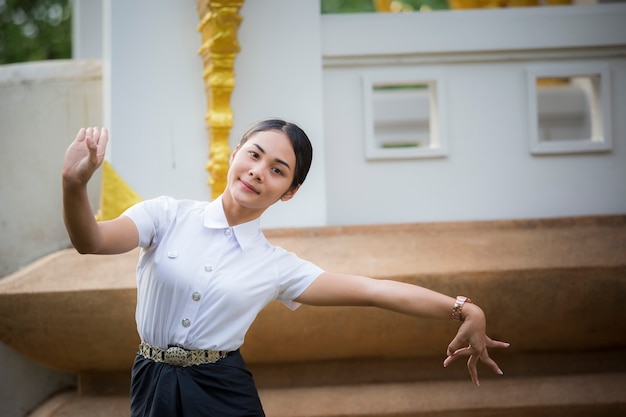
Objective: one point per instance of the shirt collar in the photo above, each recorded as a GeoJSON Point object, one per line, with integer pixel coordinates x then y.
{"type": "Point", "coordinates": [215, 218]}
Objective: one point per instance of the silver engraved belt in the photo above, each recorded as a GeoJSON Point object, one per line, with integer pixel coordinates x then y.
{"type": "Point", "coordinates": [178, 356]}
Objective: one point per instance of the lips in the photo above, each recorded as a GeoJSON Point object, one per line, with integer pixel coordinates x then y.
{"type": "Point", "coordinates": [248, 187]}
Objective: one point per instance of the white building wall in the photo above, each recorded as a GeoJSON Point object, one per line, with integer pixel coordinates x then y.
{"type": "Point", "coordinates": [279, 74]}
{"type": "Point", "coordinates": [308, 69]}
{"type": "Point", "coordinates": [481, 58]}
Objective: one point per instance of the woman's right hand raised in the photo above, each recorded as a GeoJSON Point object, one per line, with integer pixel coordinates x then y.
{"type": "Point", "coordinates": [84, 156]}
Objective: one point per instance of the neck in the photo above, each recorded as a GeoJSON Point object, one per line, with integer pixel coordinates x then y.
{"type": "Point", "coordinates": [237, 214]}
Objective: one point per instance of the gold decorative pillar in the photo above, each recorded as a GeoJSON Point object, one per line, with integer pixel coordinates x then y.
{"type": "Point", "coordinates": [219, 22]}
{"type": "Point", "coordinates": [382, 6]}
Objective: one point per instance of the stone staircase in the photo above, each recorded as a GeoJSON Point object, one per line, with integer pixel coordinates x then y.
{"type": "Point", "coordinates": [553, 288]}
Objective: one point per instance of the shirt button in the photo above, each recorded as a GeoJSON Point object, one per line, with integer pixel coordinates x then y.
{"type": "Point", "coordinates": [227, 232]}
{"type": "Point", "coordinates": [186, 322]}
{"type": "Point", "coordinates": [195, 296]}
{"type": "Point", "coordinates": [208, 267]}
{"type": "Point", "coordinates": [172, 254]}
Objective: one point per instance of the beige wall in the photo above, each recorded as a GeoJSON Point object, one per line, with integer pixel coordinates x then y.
{"type": "Point", "coordinates": [42, 105]}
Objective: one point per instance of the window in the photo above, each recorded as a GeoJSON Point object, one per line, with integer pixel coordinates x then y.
{"type": "Point", "coordinates": [403, 116]}
{"type": "Point", "coordinates": [569, 108]}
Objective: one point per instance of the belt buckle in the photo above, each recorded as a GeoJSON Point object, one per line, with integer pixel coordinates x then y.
{"type": "Point", "coordinates": [176, 356]}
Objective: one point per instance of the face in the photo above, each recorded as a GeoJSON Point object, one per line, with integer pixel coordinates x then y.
{"type": "Point", "coordinates": [261, 171]}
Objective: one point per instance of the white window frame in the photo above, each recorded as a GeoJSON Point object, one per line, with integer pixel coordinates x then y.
{"type": "Point", "coordinates": [601, 134]}
{"type": "Point", "coordinates": [438, 143]}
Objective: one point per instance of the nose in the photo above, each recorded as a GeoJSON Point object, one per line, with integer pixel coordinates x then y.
{"type": "Point", "coordinates": [253, 173]}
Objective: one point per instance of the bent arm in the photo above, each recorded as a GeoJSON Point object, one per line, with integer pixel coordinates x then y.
{"type": "Point", "coordinates": [89, 236]}
{"type": "Point", "coordinates": [83, 157]}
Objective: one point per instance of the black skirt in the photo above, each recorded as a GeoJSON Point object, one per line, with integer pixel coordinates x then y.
{"type": "Point", "coordinates": [221, 389]}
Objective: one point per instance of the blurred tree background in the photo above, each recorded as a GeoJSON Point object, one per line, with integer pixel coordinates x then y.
{"type": "Point", "coordinates": [34, 30]}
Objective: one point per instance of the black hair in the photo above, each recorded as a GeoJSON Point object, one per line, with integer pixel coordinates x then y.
{"type": "Point", "coordinates": [299, 141]}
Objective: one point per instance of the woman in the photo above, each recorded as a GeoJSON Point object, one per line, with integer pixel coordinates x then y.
{"type": "Point", "coordinates": [206, 270]}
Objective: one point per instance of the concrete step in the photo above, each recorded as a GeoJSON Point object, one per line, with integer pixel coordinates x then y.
{"type": "Point", "coordinates": [495, 397]}
{"type": "Point", "coordinates": [573, 395]}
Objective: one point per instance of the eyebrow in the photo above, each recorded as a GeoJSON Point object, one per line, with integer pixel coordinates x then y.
{"type": "Point", "coordinates": [278, 160]}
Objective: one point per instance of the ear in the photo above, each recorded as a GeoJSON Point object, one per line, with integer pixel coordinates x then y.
{"type": "Point", "coordinates": [232, 155]}
{"type": "Point", "coordinates": [290, 193]}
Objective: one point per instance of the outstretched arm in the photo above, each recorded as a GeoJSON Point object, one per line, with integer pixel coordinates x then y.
{"type": "Point", "coordinates": [82, 158]}
{"type": "Point", "coordinates": [331, 289]}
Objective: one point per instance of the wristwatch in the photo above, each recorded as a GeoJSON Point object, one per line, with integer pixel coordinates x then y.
{"type": "Point", "coordinates": [458, 307]}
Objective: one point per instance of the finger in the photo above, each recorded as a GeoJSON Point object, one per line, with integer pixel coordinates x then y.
{"type": "Point", "coordinates": [80, 136]}
{"type": "Point", "coordinates": [92, 145]}
{"type": "Point", "coordinates": [455, 345]}
{"type": "Point", "coordinates": [486, 359]}
{"type": "Point", "coordinates": [89, 137]}
{"type": "Point", "coordinates": [471, 366]}
{"type": "Point", "coordinates": [448, 360]}
{"type": "Point", "coordinates": [459, 352]}
{"type": "Point", "coordinates": [497, 344]}
{"type": "Point", "coordinates": [96, 143]}
{"type": "Point", "coordinates": [96, 135]}
{"type": "Point", "coordinates": [104, 139]}
{"type": "Point", "coordinates": [464, 351]}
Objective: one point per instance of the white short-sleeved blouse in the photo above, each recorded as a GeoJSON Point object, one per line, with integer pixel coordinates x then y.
{"type": "Point", "coordinates": [200, 282]}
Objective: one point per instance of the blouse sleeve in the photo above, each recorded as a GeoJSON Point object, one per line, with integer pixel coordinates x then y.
{"type": "Point", "coordinates": [150, 216]}
{"type": "Point", "coordinates": [294, 277]}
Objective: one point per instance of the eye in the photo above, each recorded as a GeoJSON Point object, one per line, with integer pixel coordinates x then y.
{"type": "Point", "coordinates": [277, 171]}
{"type": "Point", "coordinates": [253, 154]}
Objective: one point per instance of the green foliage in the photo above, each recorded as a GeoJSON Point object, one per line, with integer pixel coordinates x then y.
{"type": "Point", "coordinates": [365, 6]}
{"type": "Point", "coordinates": [33, 30]}
{"type": "Point", "coordinates": [419, 5]}
{"type": "Point", "coordinates": [347, 6]}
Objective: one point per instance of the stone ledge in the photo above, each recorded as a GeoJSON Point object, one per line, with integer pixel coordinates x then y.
{"type": "Point", "coordinates": [568, 273]}
{"type": "Point", "coordinates": [387, 251]}
{"type": "Point", "coordinates": [574, 396]}
{"type": "Point", "coordinates": [382, 251]}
